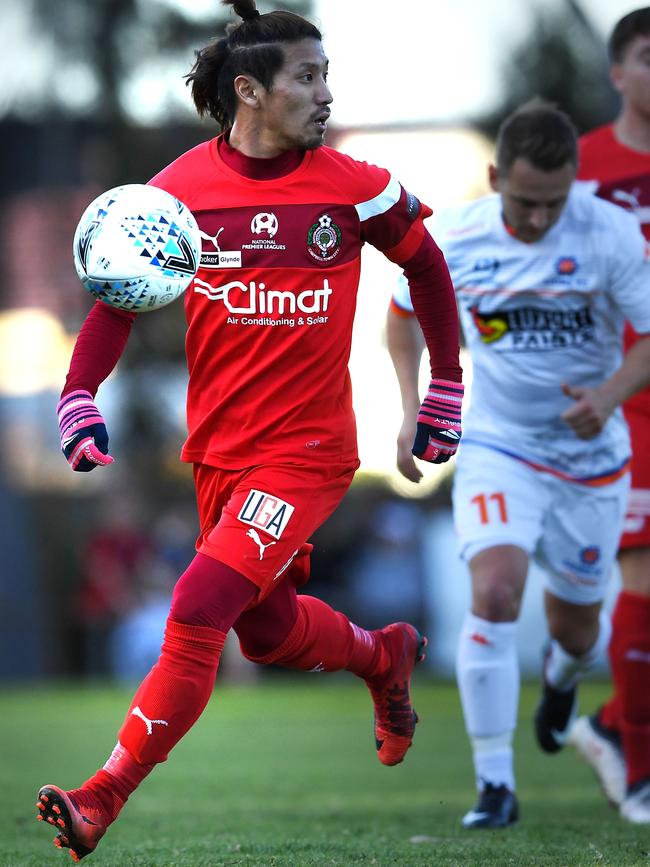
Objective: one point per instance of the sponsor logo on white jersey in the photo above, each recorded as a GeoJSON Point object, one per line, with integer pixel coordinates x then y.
{"type": "Point", "coordinates": [267, 512]}
{"type": "Point", "coordinates": [239, 297]}
{"type": "Point", "coordinates": [218, 258]}
{"type": "Point", "coordinates": [534, 329]}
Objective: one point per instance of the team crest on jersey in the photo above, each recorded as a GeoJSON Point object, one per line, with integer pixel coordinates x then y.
{"type": "Point", "coordinates": [590, 555]}
{"type": "Point", "coordinates": [266, 512]}
{"type": "Point", "coordinates": [587, 569]}
{"type": "Point", "coordinates": [566, 265]}
{"type": "Point", "coordinates": [324, 239]}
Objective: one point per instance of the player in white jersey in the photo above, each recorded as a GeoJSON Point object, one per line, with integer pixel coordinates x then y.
{"type": "Point", "coordinates": [545, 275]}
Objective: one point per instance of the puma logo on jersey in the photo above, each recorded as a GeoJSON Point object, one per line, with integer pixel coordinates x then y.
{"type": "Point", "coordinates": [214, 239]}
{"type": "Point", "coordinates": [631, 199]}
{"type": "Point", "coordinates": [150, 723]}
{"type": "Point", "coordinates": [255, 536]}
{"type": "Point", "coordinates": [218, 258]}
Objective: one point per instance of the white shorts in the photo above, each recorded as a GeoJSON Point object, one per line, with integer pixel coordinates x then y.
{"type": "Point", "coordinates": [571, 530]}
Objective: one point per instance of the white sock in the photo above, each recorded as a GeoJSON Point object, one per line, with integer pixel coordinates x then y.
{"type": "Point", "coordinates": [562, 671]}
{"type": "Point", "coordinates": [487, 670]}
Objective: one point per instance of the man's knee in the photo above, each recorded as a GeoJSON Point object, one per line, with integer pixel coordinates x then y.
{"type": "Point", "coordinates": [498, 580]}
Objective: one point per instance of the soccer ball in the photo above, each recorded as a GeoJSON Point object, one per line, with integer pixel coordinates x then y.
{"type": "Point", "coordinates": [136, 247]}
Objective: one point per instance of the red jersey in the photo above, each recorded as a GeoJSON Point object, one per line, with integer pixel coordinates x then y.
{"type": "Point", "coordinates": [271, 309]}
{"type": "Point", "coordinates": [623, 177]}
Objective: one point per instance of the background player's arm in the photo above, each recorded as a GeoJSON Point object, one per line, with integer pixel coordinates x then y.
{"type": "Point", "coordinates": [593, 406]}
{"type": "Point", "coordinates": [405, 343]}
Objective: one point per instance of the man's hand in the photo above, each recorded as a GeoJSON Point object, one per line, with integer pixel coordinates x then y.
{"type": "Point", "coordinates": [84, 438]}
{"type": "Point", "coordinates": [589, 413]}
{"type": "Point", "coordinates": [405, 463]}
{"type": "Point", "coordinates": [438, 429]}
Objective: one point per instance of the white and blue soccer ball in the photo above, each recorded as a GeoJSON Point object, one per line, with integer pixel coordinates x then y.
{"type": "Point", "coordinates": [136, 247]}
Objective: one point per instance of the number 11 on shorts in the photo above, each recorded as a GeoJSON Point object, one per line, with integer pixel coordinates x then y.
{"type": "Point", "coordinates": [483, 502]}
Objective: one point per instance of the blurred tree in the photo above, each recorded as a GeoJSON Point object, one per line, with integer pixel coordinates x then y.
{"type": "Point", "coordinates": [119, 66]}
{"type": "Point", "coordinates": [563, 59]}
{"type": "Point", "coordinates": [120, 52]}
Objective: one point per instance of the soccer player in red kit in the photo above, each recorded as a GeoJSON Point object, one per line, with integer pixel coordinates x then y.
{"type": "Point", "coordinates": [616, 740]}
{"type": "Point", "coordinates": [271, 428]}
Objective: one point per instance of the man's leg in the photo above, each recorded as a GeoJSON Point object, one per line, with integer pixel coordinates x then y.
{"type": "Point", "coordinates": [488, 679]}
{"type": "Point", "coordinates": [579, 635]}
{"type": "Point", "coordinates": [207, 600]}
{"type": "Point", "coordinates": [321, 639]}
{"type": "Point", "coordinates": [616, 739]}
{"type": "Point", "coordinates": [630, 663]}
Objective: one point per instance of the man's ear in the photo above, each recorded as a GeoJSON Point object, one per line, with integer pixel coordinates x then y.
{"type": "Point", "coordinates": [493, 177]}
{"type": "Point", "coordinates": [247, 90]}
{"type": "Point", "coordinates": [616, 76]}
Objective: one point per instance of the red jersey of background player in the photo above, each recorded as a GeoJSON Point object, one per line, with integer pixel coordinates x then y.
{"type": "Point", "coordinates": [623, 177]}
{"type": "Point", "coordinates": [270, 311]}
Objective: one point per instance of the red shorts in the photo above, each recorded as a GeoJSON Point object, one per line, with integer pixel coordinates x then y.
{"type": "Point", "coordinates": [258, 520]}
{"type": "Point", "coordinates": [636, 528]}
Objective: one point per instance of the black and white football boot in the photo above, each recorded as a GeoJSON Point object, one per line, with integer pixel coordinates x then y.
{"type": "Point", "coordinates": [496, 807]}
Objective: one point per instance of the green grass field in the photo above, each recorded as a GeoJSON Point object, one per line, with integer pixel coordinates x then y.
{"type": "Point", "coordinates": [284, 773]}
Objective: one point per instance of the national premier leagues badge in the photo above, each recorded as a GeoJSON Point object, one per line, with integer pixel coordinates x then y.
{"type": "Point", "coordinates": [324, 239]}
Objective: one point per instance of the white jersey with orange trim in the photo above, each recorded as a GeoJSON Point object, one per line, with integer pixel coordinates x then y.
{"type": "Point", "coordinates": [538, 315]}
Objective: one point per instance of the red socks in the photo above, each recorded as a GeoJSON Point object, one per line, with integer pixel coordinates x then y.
{"type": "Point", "coordinates": [629, 653]}
{"type": "Point", "coordinates": [172, 696]}
{"type": "Point", "coordinates": [324, 640]}
{"type": "Point", "coordinates": [168, 702]}
{"type": "Point", "coordinates": [113, 783]}
{"type": "Point", "coordinates": [176, 690]}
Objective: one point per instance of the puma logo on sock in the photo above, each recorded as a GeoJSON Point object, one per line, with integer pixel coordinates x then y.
{"type": "Point", "coordinates": [150, 723]}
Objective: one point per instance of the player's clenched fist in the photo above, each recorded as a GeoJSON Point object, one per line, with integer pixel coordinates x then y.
{"type": "Point", "coordinates": [588, 415]}
{"type": "Point", "coordinates": [438, 423]}
{"type": "Point", "coordinates": [84, 438]}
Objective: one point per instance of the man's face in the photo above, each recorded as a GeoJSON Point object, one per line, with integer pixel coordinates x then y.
{"type": "Point", "coordinates": [532, 199]}
{"type": "Point", "coordinates": [631, 77]}
{"type": "Point", "coordinates": [296, 108]}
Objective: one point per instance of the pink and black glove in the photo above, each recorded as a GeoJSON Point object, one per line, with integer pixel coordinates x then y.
{"type": "Point", "coordinates": [84, 438]}
{"type": "Point", "coordinates": [438, 429]}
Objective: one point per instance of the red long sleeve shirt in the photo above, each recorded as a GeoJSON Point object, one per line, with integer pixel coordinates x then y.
{"type": "Point", "coordinates": [271, 309]}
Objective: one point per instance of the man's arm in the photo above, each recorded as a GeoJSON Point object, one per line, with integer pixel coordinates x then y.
{"type": "Point", "coordinates": [101, 341]}
{"type": "Point", "coordinates": [405, 346]}
{"type": "Point", "coordinates": [593, 406]}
